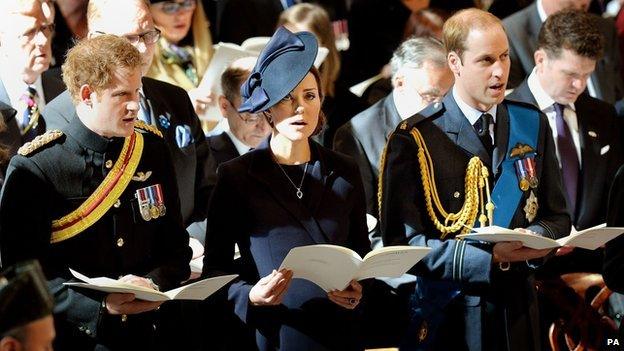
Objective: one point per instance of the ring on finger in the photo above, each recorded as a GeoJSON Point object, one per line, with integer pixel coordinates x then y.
{"type": "Point", "coordinates": [352, 301]}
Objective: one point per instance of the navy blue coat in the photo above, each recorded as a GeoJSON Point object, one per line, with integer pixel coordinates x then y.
{"type": "Point", "coordinates": [496, 310]}
{"type": "Point", "coordinates": [255, 206]}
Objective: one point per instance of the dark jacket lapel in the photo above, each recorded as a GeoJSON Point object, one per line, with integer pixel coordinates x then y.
{"type": "Point", "coordinates": [590, 149]}
{"type": "Point", "coordinates": [157, 108]}
{"type": "Point", "coordinates": [390, 117]}
{"type": "Point", "coordinates": [458, 128]}
{"type": "Point", "coordinates": [264, 168]}
{"type": "Point", "coordinates": [222, 147]}
{"type": "Point", "coordinates": [501, 135]}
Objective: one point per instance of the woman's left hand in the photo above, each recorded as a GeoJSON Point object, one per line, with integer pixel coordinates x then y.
{"type": "Point", "coordinates": [348, 298]}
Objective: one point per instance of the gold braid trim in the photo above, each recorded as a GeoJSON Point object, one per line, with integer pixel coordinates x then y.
{"type": "Point", "coordinates": [474, 198]}
{"type": "Point", "coordinates": [106, 194]}
{"type": "Point", "coordinates": [147, 127]}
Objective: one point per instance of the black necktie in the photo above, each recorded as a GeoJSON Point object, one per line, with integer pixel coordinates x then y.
{"type": "Point", "coordinates": [482, 127]}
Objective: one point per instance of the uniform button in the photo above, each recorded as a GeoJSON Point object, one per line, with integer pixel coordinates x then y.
{"type": "Point", "coordinates": [81, 328]}
{"type": "Point", "coordinates": [117, 203]}
{"type": "Point", "coordinates": [124, 318]}
{"type": "Point", "coordinates": [120, 242]}
{"type": "Point", "coordinates": [88, 332]}
{"type": "Point", "coordinates": [154, 326]}
{"type": "Point", "coordinates": [456, 194]}
{"type": "Point", "coordinates": [108, 164]}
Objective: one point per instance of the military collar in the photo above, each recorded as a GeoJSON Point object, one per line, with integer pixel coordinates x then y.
{"type": "Point", "coordinates": [86, 137]}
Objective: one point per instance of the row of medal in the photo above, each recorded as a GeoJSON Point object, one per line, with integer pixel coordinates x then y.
{"type": "Point", "coordinates": [151, 202]}
{"type": "Point", "coordinates": [527, 176]}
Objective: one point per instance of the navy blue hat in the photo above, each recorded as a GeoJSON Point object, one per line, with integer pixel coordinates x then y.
{"type": "Point", "coordinates": [281, 66]}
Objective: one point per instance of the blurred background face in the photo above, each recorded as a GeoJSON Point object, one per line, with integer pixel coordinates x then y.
{"type": "Point", "coordinates": [552, 6]}
{"type": "Point", "coordinates": [563, 78]}
{"type": "Point", "coordinates": [174, 18]}
{"type": "Point", "coordinates": [482, 71]}
{"type": "Point", "coordinates": [25, 40]}
{"type": "Point", "coordinates": [131, 19]}
{"type": "Point", "coordinates": [424, 85]}
{"type": "Point", "coordinates": [250, 128]}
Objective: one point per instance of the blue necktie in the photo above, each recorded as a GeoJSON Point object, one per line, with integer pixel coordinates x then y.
{"type": "Point", "coordinates": [567, 156]}
{"type": "Point", "coordinates": [145, 114]}
{"type": "Point", "coordinates": [482, 127]}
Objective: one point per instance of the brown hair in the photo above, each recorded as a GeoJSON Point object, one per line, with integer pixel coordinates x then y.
{"type": "Point", "coordinates": [573, 30]}
{"type": "Point", "coordinates": [425, 23]}
{"type": "Point", "coordinates": [317, 19]}
{"type": "Point", "coordinates": [231, 81]}
{"type": "Point", "coordinates": [456, 29]}
{"type": "Point", "coordinates": [321, 118]}
{"type": "Point", "coordinates": [95, 9]}
{"type": "Point", "coordinates": [94, 61]}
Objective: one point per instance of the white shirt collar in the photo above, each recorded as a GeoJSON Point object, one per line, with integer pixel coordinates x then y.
{"type": "Point", "coordinates": [471, 113]}
{"type": "Point", "coordinates": [544, 101]}
{"type": "Point", "coordinates": [241, 147]}
{"type": "Point", "coordinates": [15, 88]}
{"type": "Point", "coordinates": [540, 11]}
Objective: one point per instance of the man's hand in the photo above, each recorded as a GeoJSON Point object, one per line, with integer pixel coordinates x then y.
{"type": "Point", "coordinates": [201, 99]}
{"type": "Point", "coordinates": [117, 303]}
{"type": "Point", "coordinates": [270, 290]}
{"type": "Point", "coordinates": [513, 251]}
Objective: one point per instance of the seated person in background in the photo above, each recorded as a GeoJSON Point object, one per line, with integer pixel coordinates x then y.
{"type": "Point", "coordinates": [184, 49]}
{"type": "Point", "coordinates": [25, 82]}
{"type": "Point", "coordinates": [100, 197]}
{"type": "Point", "coordinates": [26, 309]}
{"type": "Point", "coordinates": [339, 104]}
{"type": "Point", "coordinates": [288, 192]}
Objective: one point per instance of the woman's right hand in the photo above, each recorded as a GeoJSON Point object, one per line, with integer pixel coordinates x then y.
{"type": "Point", "coordinates": [270, 290]}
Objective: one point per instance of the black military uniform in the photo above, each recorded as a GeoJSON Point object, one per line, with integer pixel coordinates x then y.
{"type": "Point", "coordinates": [52, 177]}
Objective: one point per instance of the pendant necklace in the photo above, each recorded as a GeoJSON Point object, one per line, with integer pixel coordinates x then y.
{"type": "Point", "coordinates": [305, 170]}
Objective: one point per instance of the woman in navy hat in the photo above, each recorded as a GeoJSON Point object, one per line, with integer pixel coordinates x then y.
{"type": "Point", "coordinates": [289, 192]}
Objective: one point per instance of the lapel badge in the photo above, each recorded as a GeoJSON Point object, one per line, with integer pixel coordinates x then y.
{"type": "Point", "coordinates": [151, 202]}
{"type": "Point", "coordinates": [531, 207]}
{"type": "Point", "coordinates": [164, 121]}
{"type": "Point", "coordinates": [423, 331]}
{"type": "Point", "coordinates": [403, 126]}
{"type": "Point", "coordinates": [141, 177]}
{"type": "Point", "coordinates": [592, 134]}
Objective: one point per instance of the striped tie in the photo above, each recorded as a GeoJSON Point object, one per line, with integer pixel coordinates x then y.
{"type": "Point", "coordinates": [145, 114]}
{"type": "Point", "coordinates": [30, 116]}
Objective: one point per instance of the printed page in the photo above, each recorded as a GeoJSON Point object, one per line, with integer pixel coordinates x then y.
{"type": "Point", "coordinates": [495, 234]}
{"type": "Point", "coordinates": [592, 238]}
{"type": "Point", "coordinates": [200, 290]}
{"type": "Point", "coordinates": [391, 261]}
{"type": "Point", "coordinates": [328, 266]}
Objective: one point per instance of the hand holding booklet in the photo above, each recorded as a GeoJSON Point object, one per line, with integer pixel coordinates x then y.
{"type": "Point", "coordinates": [195, 291]}
{"type": "Point", "coordinates": [591, 238]}
{"type": "Point", "coordinates": [332, 267]}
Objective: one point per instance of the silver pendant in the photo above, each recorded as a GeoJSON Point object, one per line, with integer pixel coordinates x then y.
{"type": "Point", "coordinates": [299, 194]}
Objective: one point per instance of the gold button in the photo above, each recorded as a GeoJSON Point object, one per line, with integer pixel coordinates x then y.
{"type": "Point", "coordinates": [456, 194]}
{"type": "Point", "coordinates": [124, 318]}
{"type": "Point", "coordinates": [120, 242]}
{"type": "Point", "coordinates": [108, 164]}
{"type": "Point", "coordinates": [117, 203]}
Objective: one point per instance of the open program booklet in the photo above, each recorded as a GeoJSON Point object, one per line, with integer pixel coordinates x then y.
{"type": "Point", "coordinates": [195, 291]}
{"type": "Point", "coordinates": [591, 238]}
{"type": "Point", "coordinates": [332, 267]}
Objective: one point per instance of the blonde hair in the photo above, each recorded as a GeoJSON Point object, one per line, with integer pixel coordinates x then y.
{"type": "Point", "coordinates": [201, 50]}
{"type": "Point", "coordinates": [94, 62]}
{"type": "Point", "coordinates": [317, 19]}
{"type": "Point", "coordinates": [457, 28]}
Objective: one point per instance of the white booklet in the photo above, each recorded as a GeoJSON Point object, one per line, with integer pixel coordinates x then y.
{"type": "Point", "coordinates": [591, 238]}
{"type": "Point", "coordinates": [196, 291]}
{"type": "Point", "coordinates": [333, 267]}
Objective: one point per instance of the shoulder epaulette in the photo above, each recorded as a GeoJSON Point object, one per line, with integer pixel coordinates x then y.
{"type": "Point", "coordinates": [430, 111]}
{"type": "Point", "coordinates": [147, 127]}
{"type": "Point", "coordinates": [39, 141]}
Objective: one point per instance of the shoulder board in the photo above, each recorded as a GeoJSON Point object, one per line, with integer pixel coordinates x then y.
{"type": "Point", "coordinates": [147, 127]}
{"type": "Point", "coordinates": [430, 111]}
{"type": "Point", "coordinates": [39, 141]}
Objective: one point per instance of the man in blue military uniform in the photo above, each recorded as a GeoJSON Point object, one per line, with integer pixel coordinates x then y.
{"type": "Point", "coordinates": [475, 156]}
{"type": "Point", "coordinates": [92, 198]}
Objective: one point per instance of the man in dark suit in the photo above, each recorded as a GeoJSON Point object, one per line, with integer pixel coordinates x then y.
{"type": "Point", "coordinates": [613, 268]}
{"type": "Point", "coordinates": [471, 295]}
{"type": "Point", "coordinates": [420, 75]}
{"type": "Point", "coordinates": [163, 105]}
{"type": "Point", "coordinates": [25, 83]}
{"type": "Point", "coordinates": [585, 129]}
{"type": "Point", "coordinates": [523, 28]}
